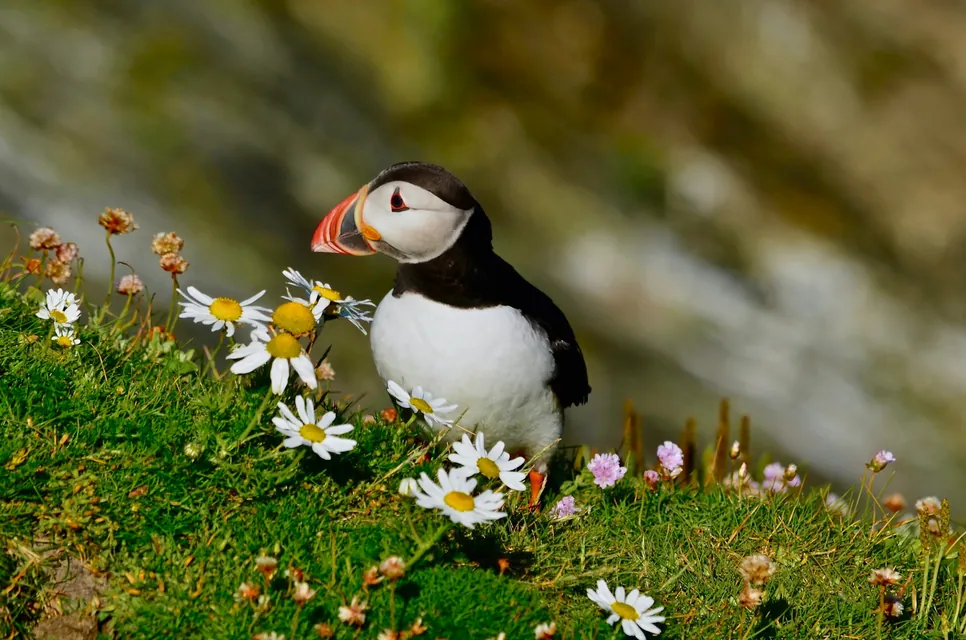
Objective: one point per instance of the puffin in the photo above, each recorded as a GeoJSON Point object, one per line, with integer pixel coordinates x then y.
{"type": "Point", "coordinates": [459, 321]}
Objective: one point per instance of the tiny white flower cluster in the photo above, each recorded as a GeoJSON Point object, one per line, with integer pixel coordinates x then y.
{"type": "Point", "coordinates": [62, 308]}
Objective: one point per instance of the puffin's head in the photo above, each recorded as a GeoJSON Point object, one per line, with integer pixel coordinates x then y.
{"type": "Point", "coordinates": [412, 211]}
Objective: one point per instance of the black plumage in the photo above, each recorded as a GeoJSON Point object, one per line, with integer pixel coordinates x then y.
{"type": "Point", "coordinates": [469, 274]}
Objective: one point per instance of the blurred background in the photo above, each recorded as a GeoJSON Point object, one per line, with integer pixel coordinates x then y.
{"type": "Point", "coordinates": [759, 199]}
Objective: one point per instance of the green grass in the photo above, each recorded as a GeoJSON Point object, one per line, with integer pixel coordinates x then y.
{"type": "Point", "coordinates": [95, 467]}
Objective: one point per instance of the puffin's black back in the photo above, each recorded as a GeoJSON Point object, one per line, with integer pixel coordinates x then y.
{"type": "Point", "coordinates": [470, 275]}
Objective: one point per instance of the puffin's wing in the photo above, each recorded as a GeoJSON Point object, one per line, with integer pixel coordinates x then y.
{"type": "Point", "coordinates": [569, 380]}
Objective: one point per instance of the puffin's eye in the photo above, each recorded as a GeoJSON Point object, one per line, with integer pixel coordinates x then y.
{"type": "Point", "coordinates": [396, 202]}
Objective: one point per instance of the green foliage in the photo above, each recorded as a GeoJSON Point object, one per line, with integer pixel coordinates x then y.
{"type": "Point", "coordinates": [118, 455]}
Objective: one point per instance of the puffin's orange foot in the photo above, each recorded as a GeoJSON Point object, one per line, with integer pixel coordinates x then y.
{"type": "Point", "coordinates": [537, 483]}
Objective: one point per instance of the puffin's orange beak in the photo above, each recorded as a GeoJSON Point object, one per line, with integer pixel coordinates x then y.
{"type": "Point", "coordinates": [343, 231]}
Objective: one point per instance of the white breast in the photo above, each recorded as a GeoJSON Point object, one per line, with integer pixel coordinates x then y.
{"type": "Point", "coordinates": [491, 362]}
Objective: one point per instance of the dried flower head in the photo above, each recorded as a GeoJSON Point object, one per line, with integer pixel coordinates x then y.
{"type": "Point", "coordinates": [389, 415]}
{"type": "Point", "coordinates": [44, 239]}
{"type": "Point", "coordinates": [393, 568]}
{"type": "Point", "coordinates": [388, 634]}
{"type": "Point", "coordinates": [116, 221]}
{"type": "Point", "coordinates": [295, 574]}
{"type": "Point", "coordinates": [750, 597]}
{"type": "Point", "coordinates": [168, 242]}
{"type": "Point", "coordinates": [417, 628]}
{"type": "Point", "coordinates": [66, 252]}
{"type": "Point", "coordinates": [130, 285]}
{"type": "Point", "coordinates": [371, 577]}
{"type": "Point", "coordinates": [930, 506]}
{"type": "Point", "coordinates": [247, 591]}
{"type": "Point", "coordinates": [791, 472]}
{"type": "Point", "coordinates": [324, 630]}
{"type": "Point", "coordinates": [368, 419]}
{"type": "Point", "coordinates": [32, 266]}
{"type": "Point", "coordinates": [884, 577]}
{"type": "Point", "coordinates": [545, 631]}
{"type": "Point", "coordinates": [894, 502]}
{"type": "Point", "coordinates": [266, 565]}
{"type": "Point", "coordinates": [652, 478]}
{"type": "Point", "coordinates": [756, 569]}
{"type": "Point", "coordinates": [58, 272]}
{"type": "Point", "coordinates": [173, 263]}
{"type": "Point", "coordinates": [892, 606]}
{"type": "Point", "coordinates": [324, 371]}
{"type": "Point", "coordinates": [354, 613]}
{"type": "Point", "coordinates": [303, 593]}
{"type": "Point", "coordinates": [269, 635]}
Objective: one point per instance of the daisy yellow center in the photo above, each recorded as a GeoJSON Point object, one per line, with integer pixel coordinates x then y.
{"type": "Point", "coordinates": [59, 316]}
{"type": "Point", "coordinates": [294, 317]}
{"type": "Point", "coordinates": [488, 468]}
{"type": "Point", "coordinates": [459, 500]}
{"type": "Point", "coordinates": [284, 345]}
{"type": "Point", "coordinates": [225, 309]}
{"type": "Point", "coordinates": [422, 405]}
{"type": "Point", "coordinates": [625, 611]}
{"type": "Point", "coordinates": [65, 341]}
{"type": "Point", "coordinates": [328, 294]}
{"type": "Point", "coordinates": [312, 432]}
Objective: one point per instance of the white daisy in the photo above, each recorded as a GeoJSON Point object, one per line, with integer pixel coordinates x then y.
{"type": "Point", "coordinates": [495, 464]}
{"type": "Point", "coordinates": [454, 497]}
{"type": "Point", "coordinates": [222, 312]}
{"type": "Point", "coordinates": [424, 403]}
{"type": "Point", "coordinates": [65, 336]}
{"type": "Point", "coordinates": [285, 349]}
{"type": "Point", "coordinates": [319, 434]}
{"type": "Point", "coordinates": [320, 294]}
{"type": "Point", "coordinates": [633, 610]}
{"type": "Point", "coordinates": [60, 306]}
{"type": "Point", "coordinates": [351, 310]}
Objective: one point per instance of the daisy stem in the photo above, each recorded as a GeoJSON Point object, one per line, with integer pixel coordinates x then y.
{"type": "Point", "coordinates": [429, 544]}
{"type": "Point", "coordinates": [169, 325]}
{"type": "Point", "coordinates": [110, 282]}
{"type": "Point", "coordinates": [312, 337]}
{"type": "Point", "coordinates": [213, 354]}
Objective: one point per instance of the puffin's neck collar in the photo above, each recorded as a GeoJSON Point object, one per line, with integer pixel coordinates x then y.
{"type": "Point", "coordinates": [457, 271]}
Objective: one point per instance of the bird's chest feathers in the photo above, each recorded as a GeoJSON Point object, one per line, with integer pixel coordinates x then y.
{"type": "Point", "coordinates": [469, 356]}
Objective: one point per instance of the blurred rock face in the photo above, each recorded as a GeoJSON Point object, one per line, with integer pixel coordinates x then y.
{"type": "Point", "coordinates": [753, 198]}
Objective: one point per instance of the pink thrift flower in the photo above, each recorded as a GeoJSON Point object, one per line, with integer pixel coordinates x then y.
{"type": "Point", "coordinates": [880, 461]}
{"type": "Point", "coordinates": [671, 457]}
{"type": "Point", "coordinates": [565, 507]}
{"type": "Point", "coordinates": [651, 478]}
{"type": "Point", "coordinates": [774, 471]}
{"type": "Point", "coordinates": [607, 469]}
